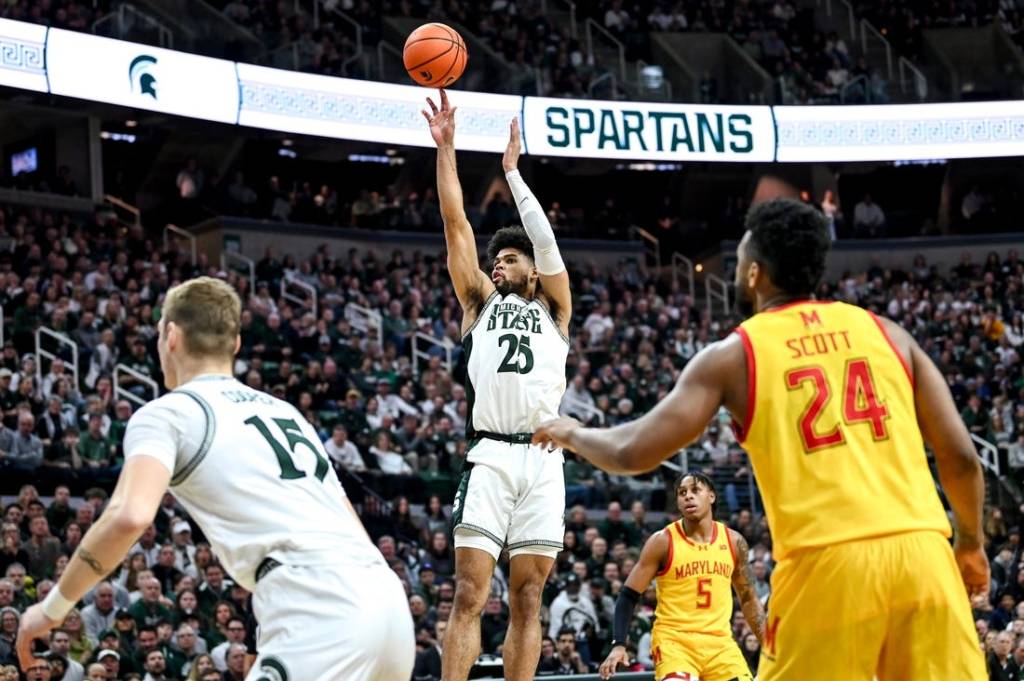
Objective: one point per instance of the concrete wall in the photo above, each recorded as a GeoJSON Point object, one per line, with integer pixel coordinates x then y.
{"type": "Point", "coordinates": [858, 255]}
{"type": "Point", "coordinates": [255, 236]}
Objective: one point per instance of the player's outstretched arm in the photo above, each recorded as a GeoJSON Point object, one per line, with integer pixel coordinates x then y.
{"type": "Point", "coordinates": [957, 461]}
{"type": "Point", "coordinates": [743, 585]}
{"type": "Point", "coordinates": [471, 285]}
{"type": "Point", "coordinates": [652, 560]}
{"type": "Point", "coordinates": [676, 421]}
{"type": "Point", "coordinates": [132, 507]}
{"type": "Point", "coordinates": [554, 279]}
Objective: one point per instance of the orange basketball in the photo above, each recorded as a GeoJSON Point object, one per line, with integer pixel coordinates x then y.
{"type": "Point", "coordinates": [435, 55]}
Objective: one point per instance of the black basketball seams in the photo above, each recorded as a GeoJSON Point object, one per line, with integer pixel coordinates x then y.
{"type": "Point", "coordinates": [455, 60]}
{"type": "Point", "coordinates": [436, 56]}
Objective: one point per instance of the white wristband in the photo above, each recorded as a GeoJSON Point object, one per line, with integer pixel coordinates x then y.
{"type": "Point", "coordinates": [55, 606]}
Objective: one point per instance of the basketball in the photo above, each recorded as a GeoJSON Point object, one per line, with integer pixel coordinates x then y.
{"type": "Point", "coordinates": [435, 55]}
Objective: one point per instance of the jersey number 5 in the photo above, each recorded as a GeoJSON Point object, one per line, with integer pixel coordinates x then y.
{"type": "Point", "coordinates": [295, 437]}
{"type": "Point", "coordinates": [704, 593]}
{"type": "Point", "coordinates": [518, 356]}
{"type": "Point", "coordinates": [860, 404]}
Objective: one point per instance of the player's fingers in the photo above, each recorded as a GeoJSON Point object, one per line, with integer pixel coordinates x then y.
{"type": "Point", "coordinates": [433, 107]}
{"type": "Point", "coordinates": [444, 99]}
{"type": "Point", "coordinates": [427, 116]}
{"type": "Point", "coordinates": [452, 114]}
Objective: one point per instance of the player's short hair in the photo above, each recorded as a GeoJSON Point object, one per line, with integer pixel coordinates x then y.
{"type": "Point", "coordinates": [790, 240]}
{"type": "Point", "coordinates": [208, 311]}
{"type": "Point", "coordinates": [509, 237]}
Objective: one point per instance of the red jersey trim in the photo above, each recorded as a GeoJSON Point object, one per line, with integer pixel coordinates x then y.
{"type": "Point", "coordinates": [682, 533]}
{"type": "Point", "coordinates": [668, 558]}
{"type": "Point", "coordinates": [748, 349]}
{"type": "Point", "coordinates": [793, 303]}
{"type": "Point", "coordinates": [896, 351]}
{"type": "Point", "coordinates": [732, 547]}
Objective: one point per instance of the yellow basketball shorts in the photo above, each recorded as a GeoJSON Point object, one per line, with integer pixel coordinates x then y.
{"type": "Point", "coordinates": [892, 607]}
{"type": "Point", "coordinates": [687, 656]}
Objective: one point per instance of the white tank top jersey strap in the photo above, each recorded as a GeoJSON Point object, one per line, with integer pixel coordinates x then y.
{"type": "Point", "coordinates": [516, 366]}
{"type": "Point", "coordinates": [252, 473]}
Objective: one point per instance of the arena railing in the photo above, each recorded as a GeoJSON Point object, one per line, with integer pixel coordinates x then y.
{"type": "Point", "coordinates": [308, 301]}
{"type": "Point", "coordinates": [116, 203]}
{"type": "Point", "coordinates": [683, 266]}
{"type": "Point", "coordinates": [716, 290]}
{"type": "Point", "coordinates": [121, 393]}
{"type": "Point", "coordinates": [988, 453]}
{"type": "Point", "coordinates": [366, 320]}
{"type": "Point", "coordinates": [614, 43]}
{"type": "Point", "coordinates": [42, 352]}
{"type": "Point", "coordinates": [571, 405]}
{"type": "Point", "coordinates": [652, 246]}
{"type": "Point", "coordinates": [180, 233]}
{"type": "Point", "coordinates": [227, 258]}
{"type": "Point", "coordinates": [445, 344]}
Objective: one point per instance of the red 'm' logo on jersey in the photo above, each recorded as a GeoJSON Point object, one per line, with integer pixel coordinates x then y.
{"type": "Point", "coordinates": [810, 319]}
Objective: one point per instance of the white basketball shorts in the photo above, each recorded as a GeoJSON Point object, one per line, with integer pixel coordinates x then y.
{"type": "Point", "coordinates": [510, 495]}
{"type": "Point", "coordinates": [338, 622]}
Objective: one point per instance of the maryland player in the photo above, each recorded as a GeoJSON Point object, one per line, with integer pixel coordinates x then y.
{"type": "Point", "coordinates": [833, 405]}
{"type": "Point", "coordinates": [695, 562]}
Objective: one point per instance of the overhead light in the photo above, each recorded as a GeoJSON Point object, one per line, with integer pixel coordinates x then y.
{"type": "Point", "coordinates": [699, 267]}
{"type": "Point", "coordinates": [391, 152]}
{"type": "Point", "coordinates": [117, 136]}
{"type": "Point", "coordinates": [287, 153]}
{"type": "Point", "coordinates": [131, 123]}
{"type": "Point", "coordinates": [287, 143]}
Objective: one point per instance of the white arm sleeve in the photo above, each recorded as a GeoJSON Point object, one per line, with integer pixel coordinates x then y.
{"type": "Point", "coordinates": [545, 250]}
{"type": "Point", "coordinates": [160, 430]}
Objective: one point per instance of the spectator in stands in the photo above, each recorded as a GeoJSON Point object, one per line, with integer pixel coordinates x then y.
{"type": "Point", "coordinates": [570, 610]}
{"type": "Point", "coordinates": [1001, 664]}
{"type": "Point", "coordinates": [868, 218]}
{"type": "Point", "coordinates": [26, 449]}
{"type": "Point", "coordinates": [42, 548]}
{"type": "Point", "coordinates": [60, 644]}
{"type": "Point", "coordinates": [100, 614]}
{"type": "Point", "coordinates": [235, 636]}
{"type": "Point", "coordinates": [566, 661]}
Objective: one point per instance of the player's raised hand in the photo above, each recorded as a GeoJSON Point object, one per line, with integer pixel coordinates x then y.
{"type": "Point", "coordinates": [555, 434]}
{"type": "Point", "coordinates": [441, 120]}
{"type": "Point", "coordinates": [510, 159]}
{"type": "Point", "coordinates": [34, 625]}
{"type": "Point", "coordinates": [974, 569]}
{"type": "Point", "coordinates": [617, 658]}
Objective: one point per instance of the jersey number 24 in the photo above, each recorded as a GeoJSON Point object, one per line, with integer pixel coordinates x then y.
{"type": "Point", "coordinates": [861, 404]}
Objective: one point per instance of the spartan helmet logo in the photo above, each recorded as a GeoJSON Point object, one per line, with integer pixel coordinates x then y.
{"type": "Point", "coordinates": [272, 669]}
{"type": "Point", "coordinates": [425, 75]}
{"type": "Point", "coordinates": [139, 77]}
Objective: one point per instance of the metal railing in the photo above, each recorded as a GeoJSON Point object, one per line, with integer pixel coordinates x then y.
{"type": "Point", "coordinates": [597, 80]}
{"type": "Point", "coordinates": [616, 44]}
{"type": "Point", "coordinates": [716, 289]}
{"type": "Point", "coordinates": [681, 265]}
{"type": "Point", "coordinates": [571, 9]}
{"type": "Point", "coordinates": [851, 17]}
{"type": "Point", "coordinates": [382, 47]}
{"type": "Point", "coordinates": [652, 247]}
{"type": "Point", "coordinates": [445, 344]}
{"type": "Point", "coordinates": [309, 300]}
{"type": "Point", "coordinates": [125, 394]}
{"type": "Point", "coordinates": [284, 57]}
{"type": "Point", "coordinates": [912, 81]}
{"type": "Point", "coordinates": [848, 88]}
{"type": "Point", "coordinates": [126, 17]}
{"type": "Point", "coordinates": [135, 213]}
{"type": "Point", "coordinates": [180, 233]}
{"type": "Point", "coordinates": [358, 29]}
{"type": "Point", "coordinates": [571, 405]}
{"type": "Point", "coordinates": [43, 353]}
{"type": "Point", "coordinates": [226, 259]}
{"type": "Point", "coordinates": [366, 320]}
{"type": "Point", "coordinates": [878, 41]}
{"type": "Point", "coordinates": [988, 453]}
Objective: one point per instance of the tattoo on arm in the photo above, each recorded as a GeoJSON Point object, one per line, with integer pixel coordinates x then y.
{"type": "Point", "coordinates": [743, 583]}
{"type": "Point", "coordinates": [91, 561]}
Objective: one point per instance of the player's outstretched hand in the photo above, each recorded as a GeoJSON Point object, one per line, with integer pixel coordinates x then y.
{"type": "Point", "coordinates": [974, 570]}
{"type": "Point", "coordinates": [510, 159]}
{"type": "Point", "coordinates": [555, 434]}
{"type": "Point", "coordinates": [617, 658]}
{"type": "Point", "coordinates": [441, 120]}
{"type": "Point", "coordinates": [34, 625]}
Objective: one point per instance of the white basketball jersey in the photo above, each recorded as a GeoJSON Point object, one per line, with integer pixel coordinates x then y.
{"type": "Point", "coordinates": [516, 365]}
{"type": "Point", "coordinates": [252, 473]}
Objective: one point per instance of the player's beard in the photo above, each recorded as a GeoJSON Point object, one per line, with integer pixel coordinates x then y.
{"type": "Point", "coordinates": [506, 286]}
{"type": "Point", "coordinates": [744, 301]}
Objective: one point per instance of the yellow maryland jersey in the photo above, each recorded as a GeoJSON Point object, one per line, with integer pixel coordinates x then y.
{"type": "Point", "coordinates": [831, 428]}
{"type": "Point", "coordinates": [695, 584]}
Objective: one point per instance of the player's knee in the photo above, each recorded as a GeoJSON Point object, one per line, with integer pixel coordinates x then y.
{"type": "Point", "coordinates": [524, 600]}
{"type": "Point", "coordinates": [471, 595]}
